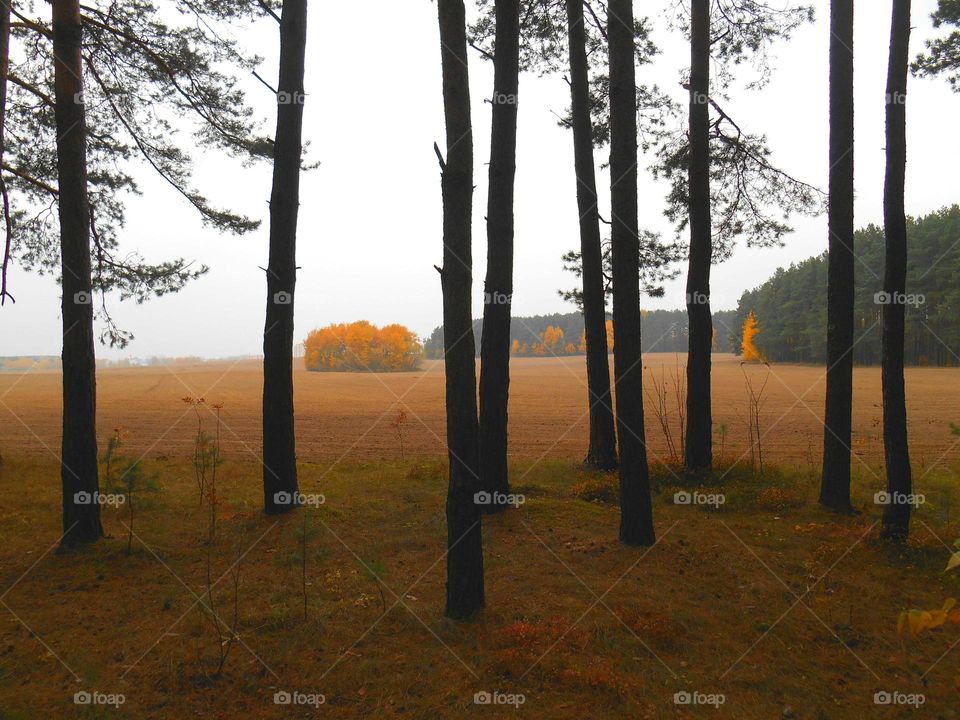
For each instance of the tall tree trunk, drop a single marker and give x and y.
(279, 444)
(498, 287)
(699, 440)
(4, 69)
(896, 514)
(78, 461)
(602, 453)
(636, 512)
(465, 594)
(835, 482)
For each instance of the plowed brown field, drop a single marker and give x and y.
(350, 415)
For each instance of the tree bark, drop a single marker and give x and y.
(78, 461)
(498, 286)
(699, 439)
(465, 592)
(602, 452)
(279, 444)
(636, 512)
(835, 482)
(896, 514)
(4, 69)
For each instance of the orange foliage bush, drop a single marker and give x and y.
(362, 346)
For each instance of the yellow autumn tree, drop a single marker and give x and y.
(553, 340)
(362, 346)
(748, 347)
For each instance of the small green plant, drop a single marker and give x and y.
(375, 571)
(601, 491)
(755, 400)
(206, 459)
(304, 533)
(125, 477)
(206, 447)
(227, 635)
(399, 420)
(722, 430)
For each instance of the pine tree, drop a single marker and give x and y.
(465, 592)
(837, 423)
(279, 442)
(636, 511)
(896, 514)
(498, 285)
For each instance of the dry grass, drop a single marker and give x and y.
(576, 622)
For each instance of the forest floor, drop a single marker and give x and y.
(764, 606)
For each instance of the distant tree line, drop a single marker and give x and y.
(791, 306)
(663, 331)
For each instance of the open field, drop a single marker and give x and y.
(347, 416)
(785, 611)
(766, 602)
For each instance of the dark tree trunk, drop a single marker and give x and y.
(699, 439)
(4, 64)
(835, 482)
(78, 461)
(602, 453)
(4, 69)
(498, 287)
(896, 514)
(636, 512)
(465, 594)
(279, 444)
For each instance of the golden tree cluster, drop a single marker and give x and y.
(362, 346)
(553, 342)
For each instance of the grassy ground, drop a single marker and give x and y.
(782, 609)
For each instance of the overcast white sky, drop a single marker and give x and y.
(370, 214)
